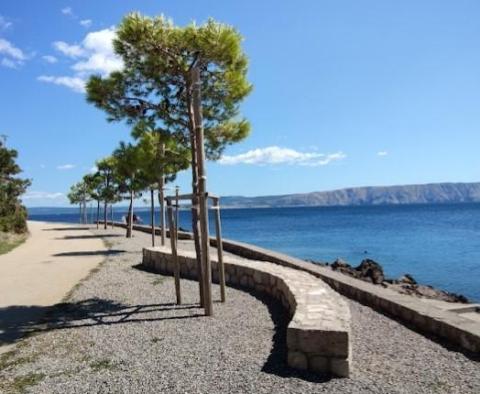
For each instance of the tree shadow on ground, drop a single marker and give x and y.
(66, 229)
(80, 253)
(19, 321)
(99, 236)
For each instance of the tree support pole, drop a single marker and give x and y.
(173, 244)
(161, 195)
(152, 215)
(221, 265)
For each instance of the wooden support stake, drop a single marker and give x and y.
(161, 195)
(177, 221)
(173, 244)
(218, 232)
(152, 215)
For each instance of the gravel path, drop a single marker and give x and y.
(120, 333)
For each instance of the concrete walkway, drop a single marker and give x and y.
(40, 272)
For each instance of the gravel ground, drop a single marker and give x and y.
(119, 332)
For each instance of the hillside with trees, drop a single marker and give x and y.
(13, 215)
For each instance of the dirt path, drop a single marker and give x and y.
(40, 272)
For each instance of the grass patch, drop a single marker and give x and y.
(101, 365)
(20, 384)
(10, 359)
(10, 241)
(158, 281)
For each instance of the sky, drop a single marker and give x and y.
(346, 93)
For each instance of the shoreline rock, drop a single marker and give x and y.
(371, 271)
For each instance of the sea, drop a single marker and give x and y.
(439, 245)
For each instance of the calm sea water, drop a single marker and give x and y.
(438, 244)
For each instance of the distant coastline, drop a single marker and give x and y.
(431, 193)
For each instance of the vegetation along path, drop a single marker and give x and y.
(119, 332)
(40, 273)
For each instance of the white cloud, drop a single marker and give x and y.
(65, 167)
(50, 59)
(34, 195)
(278, 155)
(75, 83)
(382, 153)
(6, 48)
(93, 169)
(73, 51)
(13, 56)
(86, 23)
(4, 23)
(94, 55)
(67, 11)
(100, 57)
(8, 63)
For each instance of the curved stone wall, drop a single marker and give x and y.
(318, 335)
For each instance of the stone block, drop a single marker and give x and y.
(297, 360)
(323, 342)
(340, 367)
(319, 364)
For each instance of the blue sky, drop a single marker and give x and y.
(346, 93)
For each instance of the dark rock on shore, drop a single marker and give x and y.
(371, 271)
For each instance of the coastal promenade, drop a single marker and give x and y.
(121, 331)
(39, 273)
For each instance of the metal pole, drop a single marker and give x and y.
(173, 244)
(218, 232)
(202, 191)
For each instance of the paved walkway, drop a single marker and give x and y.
(40, 272)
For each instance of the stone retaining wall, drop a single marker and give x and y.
(318, 335)
(423, 317)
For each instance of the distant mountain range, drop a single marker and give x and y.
(434, 193)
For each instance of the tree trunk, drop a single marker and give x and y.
(85, 213)
(98, 211)
(111, 215)
(202, 192)
(130, 217)
(152, 215)
(105, 210)
(195, 221)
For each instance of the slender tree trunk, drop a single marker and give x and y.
(195, 221)
(80, 212)
(85, 217)
(152, 215)
(111, 215)
(202, 192)
(105, 210)
(98, 211)
(130, 216)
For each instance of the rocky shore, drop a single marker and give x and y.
(371, 271)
